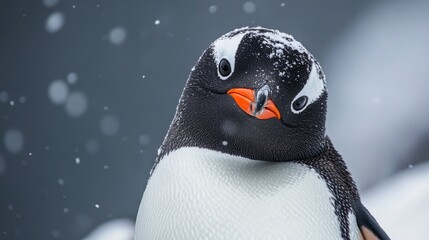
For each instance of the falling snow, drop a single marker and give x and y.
(213, 9)
(55, 22)
(4, 96)
(117, 35)
(76, 104)
(22, 99)
(144, 139)
(249, 7)
(14, 140)
(64, 106)
(92, 146)
(72, 78)
(56, 233)
(109, 125)
(61, 181)
(58, 92)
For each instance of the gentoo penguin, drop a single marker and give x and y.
(247, 156)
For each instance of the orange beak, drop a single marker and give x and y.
(246, 100)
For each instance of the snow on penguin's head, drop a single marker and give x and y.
(225, 48)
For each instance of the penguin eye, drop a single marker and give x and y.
(300, 103)
(224, 68)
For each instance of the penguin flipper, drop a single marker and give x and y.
(368, 226)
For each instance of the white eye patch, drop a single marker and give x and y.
(226, 48)
(313, 89)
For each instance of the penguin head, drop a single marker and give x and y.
(256, 93)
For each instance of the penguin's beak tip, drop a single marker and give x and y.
(255, 103)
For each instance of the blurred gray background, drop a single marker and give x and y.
(88, 90)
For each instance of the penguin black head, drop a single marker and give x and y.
(256, 93)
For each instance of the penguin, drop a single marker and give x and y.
(247, 156)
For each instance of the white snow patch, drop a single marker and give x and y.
(278, 40)
(119, 229)
(227, 45)
(400, 203)
(55, 22)
(379, 92)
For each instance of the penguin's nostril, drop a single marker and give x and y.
(261, 99)
(260, 102)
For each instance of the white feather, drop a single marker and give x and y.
(313, 89)
(198, 193)
(226, 47)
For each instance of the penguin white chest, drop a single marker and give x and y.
(198, 193)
